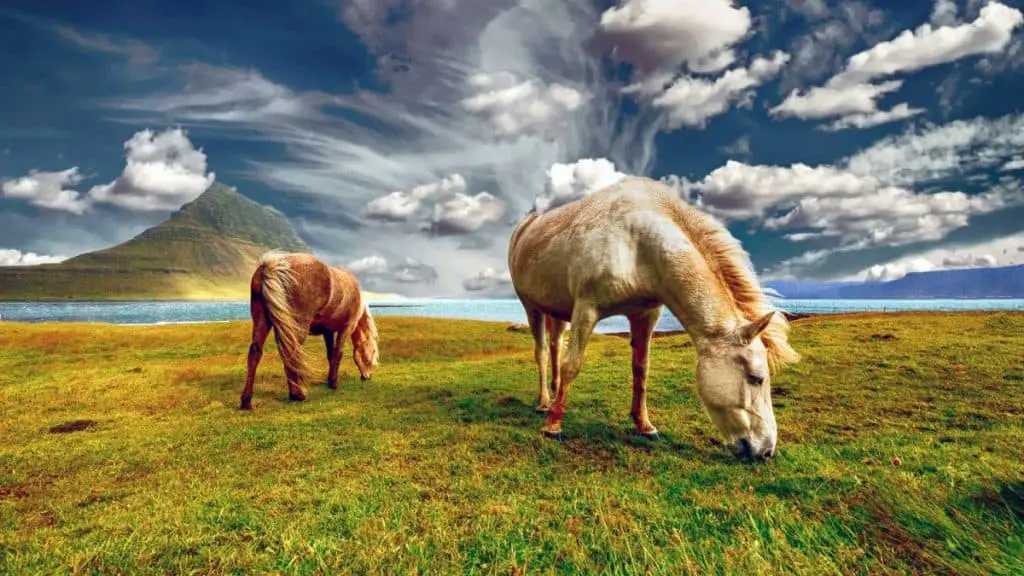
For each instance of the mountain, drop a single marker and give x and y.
(207, 250)
(1001, 282)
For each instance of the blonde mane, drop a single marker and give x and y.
(736, 281)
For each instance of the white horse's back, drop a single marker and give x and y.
(609, 247)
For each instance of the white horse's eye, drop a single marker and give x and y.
(755, 379)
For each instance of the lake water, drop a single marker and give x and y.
(472, 309)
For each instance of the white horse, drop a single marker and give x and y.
(629, 249)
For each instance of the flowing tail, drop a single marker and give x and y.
(276, 285)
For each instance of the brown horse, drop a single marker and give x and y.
(299, 295)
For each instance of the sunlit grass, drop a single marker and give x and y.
(900, 444)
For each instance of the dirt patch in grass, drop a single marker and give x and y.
(12, 492)
(886, 530)
(72, 426)
(1007, 500)
(884, 337)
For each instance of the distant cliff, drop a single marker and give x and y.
(1002, 282)
(208, 249)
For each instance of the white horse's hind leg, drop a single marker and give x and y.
(535, 318)
(641, 328)
(556, 328)
(584, 318)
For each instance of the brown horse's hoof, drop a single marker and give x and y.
(246, 404)
(543, 409)
(556, 436)
(332, 385)
(650, 435)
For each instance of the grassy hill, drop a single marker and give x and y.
(207, 250)
(899, 453)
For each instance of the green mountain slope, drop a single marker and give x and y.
(206, 250)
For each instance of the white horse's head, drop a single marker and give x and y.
(734, 384)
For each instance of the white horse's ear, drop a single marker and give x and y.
(753, 329)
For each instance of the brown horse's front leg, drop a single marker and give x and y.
(584, 319)
(335, 350)
(641, 328)
(260, 329)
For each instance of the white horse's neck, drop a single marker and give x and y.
(703, 309)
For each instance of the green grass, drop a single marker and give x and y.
(900, 443)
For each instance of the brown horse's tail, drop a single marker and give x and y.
(276, 285)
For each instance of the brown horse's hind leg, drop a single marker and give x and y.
(335, 350)
(641, 328)
(260, 329)
(584, 319)
(535, 318)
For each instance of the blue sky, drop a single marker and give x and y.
(404, 138)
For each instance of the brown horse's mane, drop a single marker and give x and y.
(735, 279)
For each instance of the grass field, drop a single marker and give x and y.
(123, 452)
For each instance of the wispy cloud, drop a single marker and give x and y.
(852, 96)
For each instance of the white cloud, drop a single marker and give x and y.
(394, 207)
(139, 54)
(851, 91)
(513, 108)
(900, 111)
(927, 46)
(12, 257)
(826, 101)
(812, 9)
(369, 265)
(854, 211)
(461, 214)
(376, 268)
(935, 153)
(568, 182)
(944, 13)
(1016, 163)
(821, 50)
(739, 191)
(488, 279)
(50, 190)
(163, 172)
(664, 34)
(441, 207)
(741, 147)
(691, 101)
(1000, 251)
(969, 261)
(897, 270)
(228, 95)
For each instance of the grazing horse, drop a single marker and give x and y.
(299, 295)
(629, 249)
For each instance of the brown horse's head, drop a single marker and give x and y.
(364, 344)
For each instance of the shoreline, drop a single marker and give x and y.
(790, 316)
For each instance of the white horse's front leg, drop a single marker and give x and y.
(556, 328)
(641, 328)
(535, 318)
(584, 319)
